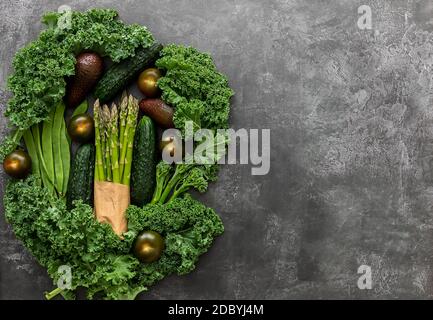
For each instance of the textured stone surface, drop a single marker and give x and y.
(350, 113)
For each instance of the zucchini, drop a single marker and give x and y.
(143, 162)
(81, 178)
(119, 75)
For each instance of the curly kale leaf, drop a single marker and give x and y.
(10, 143)
(201, 95)
(189, 229)
(57, 237)
(38, 82)
(189, 111)
(100, 261)
(191, 77)
(24, 201)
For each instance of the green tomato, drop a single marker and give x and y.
(148, 246)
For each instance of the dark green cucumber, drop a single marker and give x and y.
(119, 75)
(81, 177)
(143, 162)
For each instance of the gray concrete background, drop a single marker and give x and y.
(350, 113)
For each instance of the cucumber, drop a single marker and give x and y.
(143, 163)
(119, 75)
(81, 177)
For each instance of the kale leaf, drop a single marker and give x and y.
(191, 77)
(100, 261)
(38, 82)
(201, 95)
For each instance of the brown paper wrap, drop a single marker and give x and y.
(111, 201)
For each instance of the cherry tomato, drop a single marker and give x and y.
(81, 128)
(148, 246)
(147, 82)
(17, 164)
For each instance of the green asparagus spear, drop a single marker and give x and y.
(126, 133)
(122, 132)
(130, 126)
(114, 143)
(106, 116)
(99, 166)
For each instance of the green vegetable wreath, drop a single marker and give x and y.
(56, 201)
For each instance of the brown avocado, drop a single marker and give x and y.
(159, 111)
(88, 69)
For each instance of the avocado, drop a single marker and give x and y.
(88, 70)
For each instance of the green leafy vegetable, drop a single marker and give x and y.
(192, 79)
(189, 228)
(185, 176)
(193, 112)
(163, 174)
(38, 83)
(200, 95)
(82, 108)
(10, 143)
(100, 261)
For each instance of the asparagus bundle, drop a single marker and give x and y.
(114, 138)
